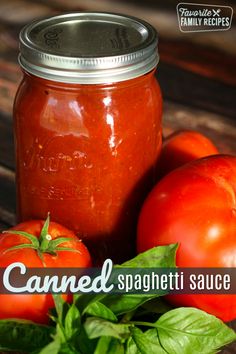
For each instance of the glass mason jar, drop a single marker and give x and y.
(87, 119)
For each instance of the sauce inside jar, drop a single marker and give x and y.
(87, 140)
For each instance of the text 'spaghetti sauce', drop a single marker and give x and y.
(88, 126)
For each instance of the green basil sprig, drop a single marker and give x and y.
(120, 324)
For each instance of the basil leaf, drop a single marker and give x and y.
(161, 256)
(152, 335)
(72, 323)
(145, 343)
(86, 345)
(63, 311)
(97, 327)
(61, 307)
(157, 306)
(103, 345)
(120, 304)
(116, 347)
(60, 333)
(52, 348)
(67, 326)
(83, 300)
(98, 309)
(131, 347)
(23, 336)
(192, 331)
(67, 349)
(59, 345)
(109, 345)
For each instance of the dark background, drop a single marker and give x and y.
(197, 74)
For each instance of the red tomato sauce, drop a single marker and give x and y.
(87, 154)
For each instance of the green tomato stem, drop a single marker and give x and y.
(45, 242)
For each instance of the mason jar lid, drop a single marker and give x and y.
(88, 48)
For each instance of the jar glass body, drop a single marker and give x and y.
(87, 154)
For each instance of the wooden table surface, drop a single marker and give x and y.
(197, 74)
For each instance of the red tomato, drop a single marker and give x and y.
(35, 307)
(195, 206)
(182, 147)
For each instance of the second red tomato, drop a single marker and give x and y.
(182, 147)
(195, 206)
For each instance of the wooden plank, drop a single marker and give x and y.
(3, 226)
(172, 3)
(219, 129)
(7, 217)
(188, 88)
(201, 59)
(7, 94)
(8, 198)
(6, 142)
(10, 71)
(22, 11)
